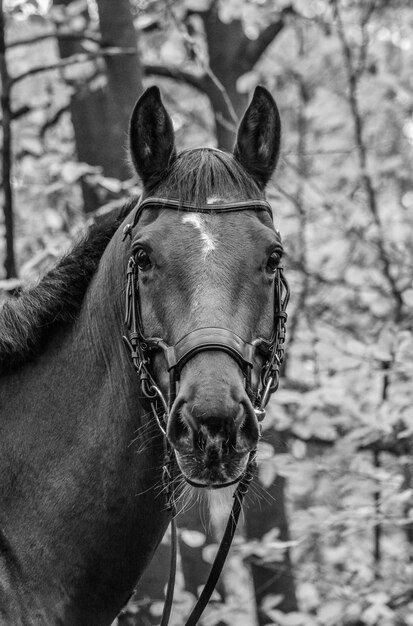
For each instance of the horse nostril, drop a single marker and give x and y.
(229, 445)
(178, 431)
(200, 440)
(231, 428)
(249, 425)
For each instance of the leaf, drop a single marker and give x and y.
(110, 184)
(289, 619)
(375, 613)
(32, 145)
(9, 284)
(299, 449)
(308, 596)
(72, 171)
(270, 601)
(192, 538)
(330, 613)
(209, 552)
(197, 5)
(247, 82)
(267, 472)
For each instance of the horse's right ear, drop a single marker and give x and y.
(151, 137)
(259, 137)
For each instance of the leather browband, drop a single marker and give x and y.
(178, 205)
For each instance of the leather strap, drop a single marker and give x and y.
(229, 207)
(210, 338)
(225, 544)
(171, 580)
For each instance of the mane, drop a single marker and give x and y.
(200, 173)
(26, 318)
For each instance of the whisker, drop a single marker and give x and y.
(142, 431)
(145, 444)
(256, 494)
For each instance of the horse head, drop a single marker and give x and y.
(206, 278)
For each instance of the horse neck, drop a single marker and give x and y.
(76, 495)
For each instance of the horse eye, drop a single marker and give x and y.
(273, 261)
(143, 260)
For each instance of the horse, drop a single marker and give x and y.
(82, 441)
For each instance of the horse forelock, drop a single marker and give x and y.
(201, 175)
(56, 299)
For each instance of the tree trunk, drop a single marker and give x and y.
(225, 42)
(101, 117)
(124, 72)
(271, 578)
(9, 264)
(231, 54)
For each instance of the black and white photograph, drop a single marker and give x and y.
(206, 313)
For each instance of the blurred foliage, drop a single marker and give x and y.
(344, 203)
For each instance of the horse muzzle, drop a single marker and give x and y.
(212, 436)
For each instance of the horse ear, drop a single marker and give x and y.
(259, 137)
(151, 137)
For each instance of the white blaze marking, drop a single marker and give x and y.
(220, 503)
(198, 222)
(215, 200)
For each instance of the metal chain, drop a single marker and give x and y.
(271, 375)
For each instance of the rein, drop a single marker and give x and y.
(177, 356)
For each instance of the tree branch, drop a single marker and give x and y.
(192, 45)
(256, 47)
(73, 60)
(64, 36)
(54, 119)
(198, 82)
(23, 110)
(378, 529)
(353, 77)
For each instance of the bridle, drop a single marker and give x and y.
(177, 356)
(209, 338)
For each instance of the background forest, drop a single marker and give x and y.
(328, 531)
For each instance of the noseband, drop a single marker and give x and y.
(177, 356)
(208, 338)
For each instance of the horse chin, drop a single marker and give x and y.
(214, 488)
(220, 502)
(219, 478)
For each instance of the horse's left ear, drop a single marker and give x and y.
(259, 137)
(151, 137)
